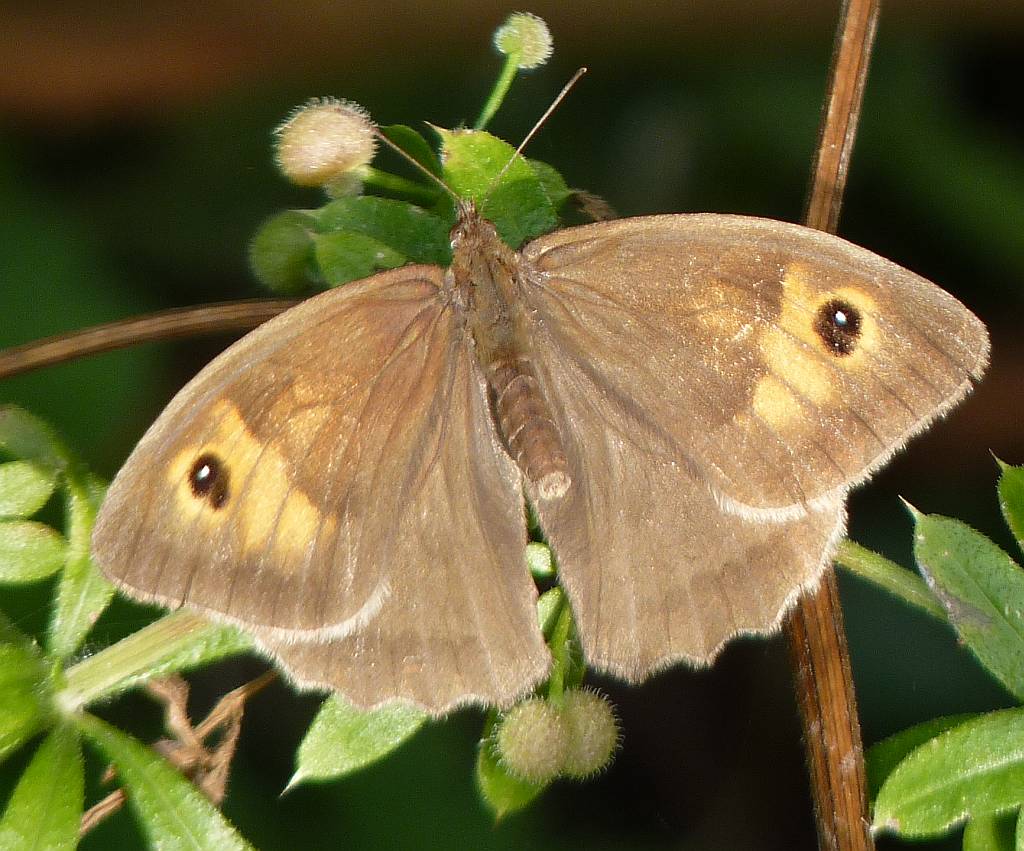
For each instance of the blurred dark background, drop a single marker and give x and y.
(135, 163)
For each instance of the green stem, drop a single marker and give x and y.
(176, 641)
(501, 87)
(559, 644)
(888, 575)
(401, 187)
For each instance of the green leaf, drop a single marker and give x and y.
(46, 807)
(982, 590)
(1019, 846)
(281, 253)
(1011, 499)
(28, 438)
(404, 228)
(518, 205)
(24, 488)
(172, 812)
(502, 793)
(414, 145)
(974, 770)
(83, 593)
(344, 256)
(885, 755)
(889, 576)
(990, 833)
(344, 739)
(29, 551)
(25, 695)
(554, 185)
(177, 642)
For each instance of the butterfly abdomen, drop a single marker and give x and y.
(525, 423)
(485, 273)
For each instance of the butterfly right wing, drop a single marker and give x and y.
(709, 436)
(707, 334)
(334, 476)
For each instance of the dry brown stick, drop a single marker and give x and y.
(817, 639)
(187, 751)
(166, 325)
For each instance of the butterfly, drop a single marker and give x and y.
(684, 400)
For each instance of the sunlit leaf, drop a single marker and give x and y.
(552, 181)
(343, 739)
(982, 590)
(1011, 499)
(178, 641)
(343, 256)
(24, 488)
(45, 808)
(29, 551)
(882, 757)
(28, 438)
(518, 204)
(405, 229)
(972, 771)
(83, 593)
(24, 689)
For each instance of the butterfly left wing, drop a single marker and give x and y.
(459, 625)
(333, 483)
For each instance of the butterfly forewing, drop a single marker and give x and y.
(719, 338)
(335, 473)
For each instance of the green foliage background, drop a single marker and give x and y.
(127, 212)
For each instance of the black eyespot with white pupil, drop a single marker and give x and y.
(208, 479)
(838, 324)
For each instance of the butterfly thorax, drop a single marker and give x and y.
(485, 278)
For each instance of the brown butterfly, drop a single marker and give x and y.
(684, 399)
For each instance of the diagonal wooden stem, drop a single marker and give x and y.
(817, 639)
(166, 325)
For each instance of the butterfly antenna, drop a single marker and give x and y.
(415, 163)
(540, 123)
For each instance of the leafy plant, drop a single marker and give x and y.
(935, 776)
(926, 780)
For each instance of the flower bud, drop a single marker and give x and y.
(531, 741)
(526, 37)
(592, 732)
(324, 140)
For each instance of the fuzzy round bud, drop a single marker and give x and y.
(526, 37)
(531, 741)
(323, 140)
(592, 731)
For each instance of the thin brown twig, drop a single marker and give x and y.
(207, 768)
(166, 325)
(817, 639)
